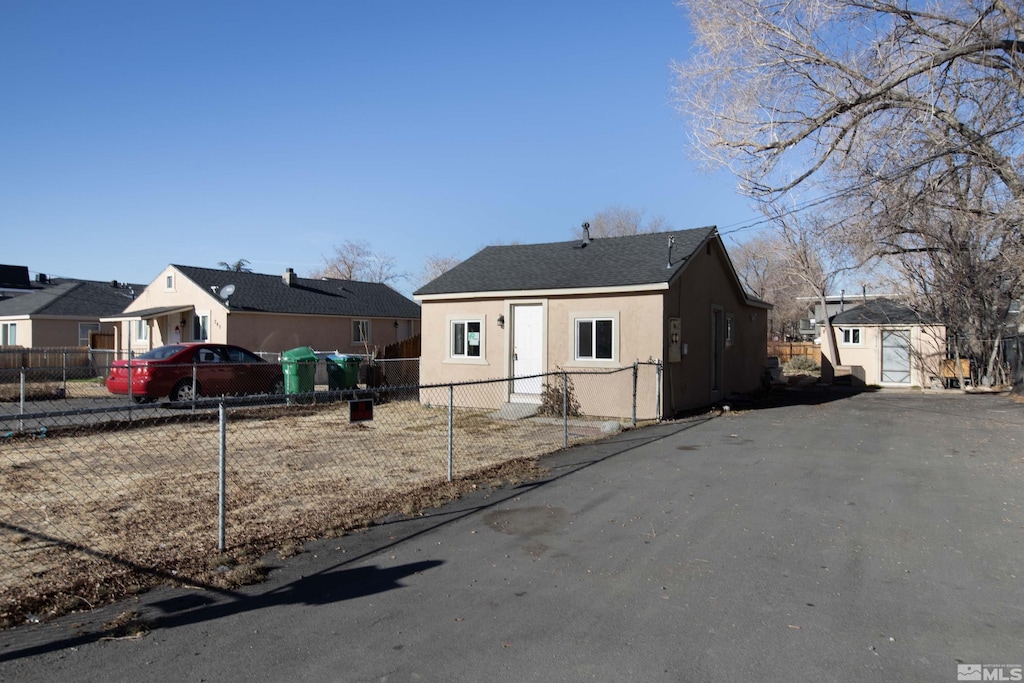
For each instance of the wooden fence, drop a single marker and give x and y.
(16, 357)
(407, 348)
(786, 351)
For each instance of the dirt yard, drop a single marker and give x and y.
(91, 515)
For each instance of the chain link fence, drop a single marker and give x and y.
(104, 496)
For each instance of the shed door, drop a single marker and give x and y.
(895, 357)
(527, 349)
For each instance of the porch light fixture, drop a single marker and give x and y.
(501, 321)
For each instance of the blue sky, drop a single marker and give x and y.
(137, 134)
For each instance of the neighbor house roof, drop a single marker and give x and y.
(633, 260)
(881, 312)
(69, 298)
(257, 292)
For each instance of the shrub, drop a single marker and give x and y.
(801, 365)
(552, 395)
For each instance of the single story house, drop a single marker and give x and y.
(262, 312)
(811, 327)
(57, 312)
(525, 309)
(886, 343)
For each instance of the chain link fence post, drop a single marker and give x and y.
(222, 475)
(451, 401)
(21, 404)
(657, 391)
(195, 383)
(636, 372)
(565, 409)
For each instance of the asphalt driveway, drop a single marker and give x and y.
(875, 537)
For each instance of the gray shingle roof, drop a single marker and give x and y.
(269, 294)
(602, 262)
(70, 298)
(881, 312)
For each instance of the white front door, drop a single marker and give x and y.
(527, 349)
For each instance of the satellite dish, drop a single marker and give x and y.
(226, 291)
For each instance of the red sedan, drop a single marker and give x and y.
(213, 369)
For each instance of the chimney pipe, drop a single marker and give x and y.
(289, 277)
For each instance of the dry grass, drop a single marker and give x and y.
(94, 516)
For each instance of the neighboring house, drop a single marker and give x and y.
(524, 309)
(886, 343)
(264, 312)
(58, 312)
(812, 326)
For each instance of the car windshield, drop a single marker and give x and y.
(161, 352)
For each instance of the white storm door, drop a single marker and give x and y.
(527, 348)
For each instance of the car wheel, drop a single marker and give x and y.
(182, 391)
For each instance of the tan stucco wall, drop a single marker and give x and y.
(602, 396)
(927, 349)
(273, 332)
(49, 332)
(707, 283)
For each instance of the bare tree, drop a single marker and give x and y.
(436, 265)
(356, 260)
(763, 266)
(904, 116)
(781, 91)
(815, 255)
(239, 266)
(619, 221)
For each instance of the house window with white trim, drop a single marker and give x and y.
(8, 334)
(466, 339)
(360, 331)
(595, 338)
(140, 331)
(852, 336)
(169, 283)
(201, 326)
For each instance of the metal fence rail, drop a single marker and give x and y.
(113, 496)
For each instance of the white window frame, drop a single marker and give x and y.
(140, 331)
(466, 356)
(83, 332)
(169, 282)
(8, 334)
(848, 335)
(593, 319)
(357, 331)
(197, 325)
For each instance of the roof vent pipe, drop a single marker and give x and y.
(586, 232)
(671, 241)
(289, 277)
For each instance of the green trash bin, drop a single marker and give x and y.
(299, 367)
(343, 371)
